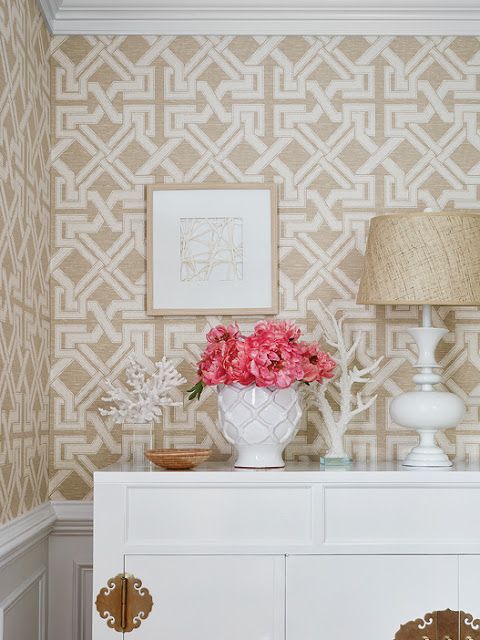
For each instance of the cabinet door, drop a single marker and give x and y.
(365, 597)
(212, 597)
(469, 585)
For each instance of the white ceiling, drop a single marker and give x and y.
(262, 17)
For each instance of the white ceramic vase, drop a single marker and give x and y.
(259, 422)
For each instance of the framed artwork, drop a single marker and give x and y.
(212, 249)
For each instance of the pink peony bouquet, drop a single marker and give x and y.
(273, 356)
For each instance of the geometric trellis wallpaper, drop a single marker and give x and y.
(346, 127)
(24, 257)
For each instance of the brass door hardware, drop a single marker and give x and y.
(124, 603)
(441, 625)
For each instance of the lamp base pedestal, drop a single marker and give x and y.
(427, 412)
(427, 453)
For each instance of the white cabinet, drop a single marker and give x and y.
(294, 554)
(212, 597)
(469, 584)
(365, 597)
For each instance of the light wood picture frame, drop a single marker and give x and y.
(212, 249)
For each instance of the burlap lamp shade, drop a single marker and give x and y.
(424, 258)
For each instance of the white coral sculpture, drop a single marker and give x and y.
(350, 404)
(143, 402)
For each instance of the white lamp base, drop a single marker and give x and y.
(427, 411)
(427, 455)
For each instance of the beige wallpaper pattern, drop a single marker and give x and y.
(346, 127)
(24, 257)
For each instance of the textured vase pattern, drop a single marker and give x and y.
(259, 422)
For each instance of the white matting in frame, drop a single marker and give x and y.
(212, 249)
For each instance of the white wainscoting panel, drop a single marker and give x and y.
(82, 600)
(47, 551)
(70, 572)
(23, 575)
(23, 611)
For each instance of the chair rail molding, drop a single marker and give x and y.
(23, 532)
(69, 518)
(73, 518)
(268, 17)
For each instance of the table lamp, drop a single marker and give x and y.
(424, 259)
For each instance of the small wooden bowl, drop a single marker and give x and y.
(177, 458)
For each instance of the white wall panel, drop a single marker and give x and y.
(70, 572)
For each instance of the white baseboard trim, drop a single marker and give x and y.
(23, 532)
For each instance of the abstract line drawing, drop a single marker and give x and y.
(211, 249)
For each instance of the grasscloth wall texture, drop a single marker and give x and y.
(346, 127)
(24, 257)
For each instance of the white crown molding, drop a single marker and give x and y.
(50, 9)
(23, 532)
(267, 17)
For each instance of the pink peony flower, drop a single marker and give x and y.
(272, 356)
(282, 329)
(237, 363)
(211, 369)
(275, 358)
(224, 359)
(317, 364)
(221, 333)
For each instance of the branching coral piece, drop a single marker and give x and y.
(143, 402)
(351, 404)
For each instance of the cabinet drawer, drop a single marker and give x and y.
(211, 515)
(393, 514)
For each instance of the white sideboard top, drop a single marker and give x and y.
(213, 472)
(301, 509)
